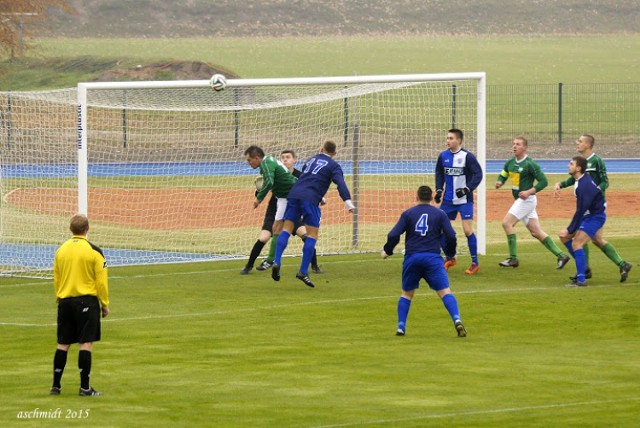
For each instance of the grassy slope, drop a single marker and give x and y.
(558, 41)
(506, 59)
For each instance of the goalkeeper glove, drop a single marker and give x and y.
(462, 192)
(438, 198)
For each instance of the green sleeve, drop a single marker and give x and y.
(268, 171)
(504, 175)
(540, 177)
(568, 182)
(601, 175)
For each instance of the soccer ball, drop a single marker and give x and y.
(218, 82)
(259, 181)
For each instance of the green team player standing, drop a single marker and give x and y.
(598, 171)
(527, 179)
(276, 178)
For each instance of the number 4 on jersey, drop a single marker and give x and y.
(422, 225)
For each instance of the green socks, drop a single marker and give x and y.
(551, 246)
(272, 248)
(513, 247)
(613, 255)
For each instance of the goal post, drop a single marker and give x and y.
(159, 166)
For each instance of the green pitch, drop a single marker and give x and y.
(201, 345)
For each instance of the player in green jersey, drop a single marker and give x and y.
(288, 158)
(598, 171)
(276, 178)
(527, 179)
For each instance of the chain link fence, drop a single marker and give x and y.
(553, 116)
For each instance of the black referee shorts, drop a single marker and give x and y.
(78, 320)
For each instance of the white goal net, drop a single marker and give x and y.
(159, 166)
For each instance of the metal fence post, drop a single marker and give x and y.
(453, 105)
(560, 113)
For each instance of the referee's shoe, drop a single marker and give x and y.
(89, 392)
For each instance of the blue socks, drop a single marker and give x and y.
(472, 241)
(569, 245)
(404, 305)
(450, 302)
(308, 249)
(581, 264)
(281, 244)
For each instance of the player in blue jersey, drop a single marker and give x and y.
(424, 227)
(304, 200)
(458, 174)
(588, 220)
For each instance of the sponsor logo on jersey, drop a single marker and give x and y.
(454, 171)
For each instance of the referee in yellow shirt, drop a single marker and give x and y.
(81, 285)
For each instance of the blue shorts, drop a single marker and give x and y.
(592, 223)
(310, 212)
(427, 266)
(465, 210)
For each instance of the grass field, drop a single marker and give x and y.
(200, 345)
(506, 59)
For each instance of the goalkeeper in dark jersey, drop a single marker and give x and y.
(527, 179)
(276, 178)
(598, 171)
(288, 158)
(304, 199)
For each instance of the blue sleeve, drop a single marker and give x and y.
(450, 237)
(393, 238)
(439, 174)
(338, 178)
(476, 172)
(585, 195)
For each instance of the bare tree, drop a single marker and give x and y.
(21, 18)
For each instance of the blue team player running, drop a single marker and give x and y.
(304, 200)
(424, 225)
(458, 174)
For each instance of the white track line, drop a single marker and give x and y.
(479, 412)
(425, 294)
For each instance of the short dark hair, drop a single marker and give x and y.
(289, 151)
(590, 140)
(79, 224)
(254, 152)
(580, 161)
(329, 147)
(425, 194)
(458, 133)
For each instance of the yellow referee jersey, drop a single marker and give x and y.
(80, 269)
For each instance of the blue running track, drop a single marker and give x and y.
(29, 256)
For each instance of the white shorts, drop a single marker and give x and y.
(524, 209)
(282, 207)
